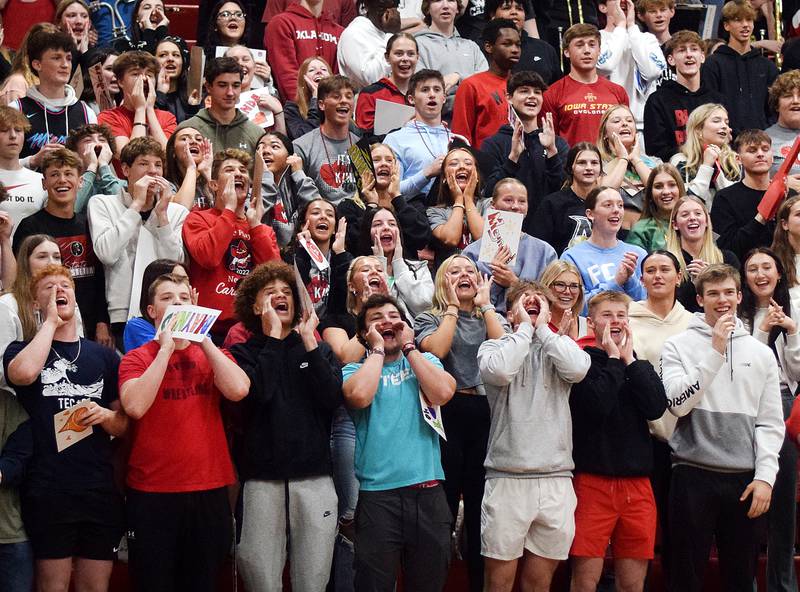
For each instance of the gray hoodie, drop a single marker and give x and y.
(282, 200)
(528, 375)
(729, 406)
(240, 133)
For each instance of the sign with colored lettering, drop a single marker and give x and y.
(500, 229)
(248, 104)
(68, 426)
(187, 321)
(320, 261)
(432, 414)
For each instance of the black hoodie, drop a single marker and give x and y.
(744, 81)
(665, 115)
(610, 410)
(288, 413)
(560, 220)
(540, 175)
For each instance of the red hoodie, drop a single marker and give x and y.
(223, 249)
(295, 35)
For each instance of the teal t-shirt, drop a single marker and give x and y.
(394, 446)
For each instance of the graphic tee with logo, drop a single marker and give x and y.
(326, 162)
(25, 193)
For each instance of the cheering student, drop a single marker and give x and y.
(179, 516)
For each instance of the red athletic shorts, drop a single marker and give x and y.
(619, 509)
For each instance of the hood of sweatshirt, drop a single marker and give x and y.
(69, 98)
(299, 13)
(698, 324)
(238, 119)
(727, 51)
(438, 37)
(675, 88)
(637, 310)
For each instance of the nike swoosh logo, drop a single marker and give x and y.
(11, 187)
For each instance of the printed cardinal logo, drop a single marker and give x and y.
(279, 213)
(335, 174)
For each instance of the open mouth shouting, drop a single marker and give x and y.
(63, 189)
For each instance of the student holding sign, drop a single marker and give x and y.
(402, 516)
(520, 256)
(529, 501)
(226, 242)
(285, 465)
(179, 517)
(73, 512)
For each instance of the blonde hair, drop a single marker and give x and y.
(709, 252)
(505, 182)
(555, 269)
(353, 301)
(604, 143)
(439, 305)
(693, 147)
(303, 96)
(608, 296)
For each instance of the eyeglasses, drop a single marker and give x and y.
(226, 14)
(563, 287)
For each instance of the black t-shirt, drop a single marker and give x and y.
(77, 253)
(74, 371)
(561, 220)
(344, 321)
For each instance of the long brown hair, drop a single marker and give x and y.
(649, 205)
(21, 288)
(781, 245)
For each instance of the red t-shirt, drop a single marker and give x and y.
(120, 121)
(20, 15)
(480, 107)
(577, 107)
(179, 444)
(222, 250)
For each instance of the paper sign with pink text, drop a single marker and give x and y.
(500, 228)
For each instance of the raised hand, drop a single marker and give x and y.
(695, 267)
(394, 183)
(484, 286)
(338, 245)
(547, 137)
(502, 274)
(295, 162)
(521, 315)
(51, 316)
(451, 296)
(377, 248)
(270, 323)
(626, 348)
(165, 341)
(95, 415)
(434, 168)
(255, 211)
(207, 153)
(6, 225)
(368, 191)
(229, 199)
(138, 98)
(106, 154)
(711, 154)
(398, 244)
(608, 344)
(722, 331)
(626, 268)
(374, 338)
(307, 326)
(618, 147)
(565, 326)
(403, 333)
(544, 310)
(517, 142)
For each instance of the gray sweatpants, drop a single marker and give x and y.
(311, 528)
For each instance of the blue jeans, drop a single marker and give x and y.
(16, 567)
(343, 449)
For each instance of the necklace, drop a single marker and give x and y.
(60, 357)
(424, 143)
(349, 184)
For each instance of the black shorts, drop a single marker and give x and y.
(87, 524)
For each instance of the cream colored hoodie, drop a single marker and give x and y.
(649, 334)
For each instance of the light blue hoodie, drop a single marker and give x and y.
(416, 146)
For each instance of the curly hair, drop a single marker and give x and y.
(248, 289)
(78, 134)
(783, 87)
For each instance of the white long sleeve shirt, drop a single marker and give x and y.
(361, 53)
(633, 60)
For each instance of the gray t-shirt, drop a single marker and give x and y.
(782, 140)
(462, 359)
(327, 163)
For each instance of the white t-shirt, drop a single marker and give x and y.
(26, 196)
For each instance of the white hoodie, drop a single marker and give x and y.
(729, 406)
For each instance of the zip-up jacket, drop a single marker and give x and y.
(744, 81)
(610, 410)
(385, 90)
(294, 35)
(527, 375)
(731, 416)
(288, 413)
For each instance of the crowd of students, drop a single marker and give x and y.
(375, 396)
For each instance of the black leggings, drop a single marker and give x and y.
(466, 422)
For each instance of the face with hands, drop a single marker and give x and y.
(190, 138)
(230, 23)
(152, 11)
(608, 213)
(715, 129)
(719, 298)
(789, 109)
(660, 277)
(274, 153)
(236, 170)
(317, 70)
(621, 122)
(402, 58)
(277, 294)
(75, 20)
(166, 294)
(387, 321)
(96, 140)
(383, 161)
(169, 58)
(61, 184)
(320, 221)
(761, 275)
(64, 290)
(132, 76)
(613, 315)
(44, 254)
(690, 221)
(527, 102)
(367, 278)
(463, 277)
(531, 301)
(511, 197)
(384, 230)
(459, 165)
(144, 164)
(566, 290)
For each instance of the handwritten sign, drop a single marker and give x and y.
(187, 321)
(248, 104)
(320, 261)
(102, 94)
(432, 414)
(305, 299)
(500, 229)
(68, 427)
